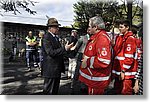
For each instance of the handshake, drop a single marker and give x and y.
(68, 46)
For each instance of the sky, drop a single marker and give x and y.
(62, 10)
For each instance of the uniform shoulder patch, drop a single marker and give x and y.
(104, 52)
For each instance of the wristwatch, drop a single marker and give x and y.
(122, 71)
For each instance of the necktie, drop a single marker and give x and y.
(56, 38)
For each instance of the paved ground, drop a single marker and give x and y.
(17, 80)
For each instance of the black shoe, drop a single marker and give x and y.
(29, 68)
(35, 66)
(71, 85)
(69, 77)
(84, 91)
(72, 91)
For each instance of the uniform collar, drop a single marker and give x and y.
(94, 36)
(129, 33)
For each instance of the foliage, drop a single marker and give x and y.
(86, 9)
(135, 12)
(138, 17)
(14, 5)
(109, 11)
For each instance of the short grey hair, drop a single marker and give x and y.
(74, 30)
(97, 21)
(42, 31)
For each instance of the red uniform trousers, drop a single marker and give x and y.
(124, 87)
(95, 91)
(98, 91)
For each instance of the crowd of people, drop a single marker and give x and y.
(95, 59)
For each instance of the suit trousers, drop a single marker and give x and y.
(51, 86)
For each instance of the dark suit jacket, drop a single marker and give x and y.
(53, 63)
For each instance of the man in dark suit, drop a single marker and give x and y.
(53, 63)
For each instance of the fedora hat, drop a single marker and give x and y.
(52, 22)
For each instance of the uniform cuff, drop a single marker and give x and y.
(90, 62)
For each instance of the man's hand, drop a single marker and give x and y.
(84, 61)
(113, 42)
(68, 46)
(72, 48)
(85, 57)
(136, 86)
(122, 75)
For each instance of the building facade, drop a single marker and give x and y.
(18, 31)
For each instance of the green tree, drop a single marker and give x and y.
(108, 10)
(86, 9)
(130, 10)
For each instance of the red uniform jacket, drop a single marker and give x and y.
(98, 70)
(139, 47)
(125, 56)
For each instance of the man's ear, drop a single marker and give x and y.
(127, 27)
(96, 27)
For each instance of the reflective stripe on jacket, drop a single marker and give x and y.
(28, 47)
(97, 72)
(125, 56)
